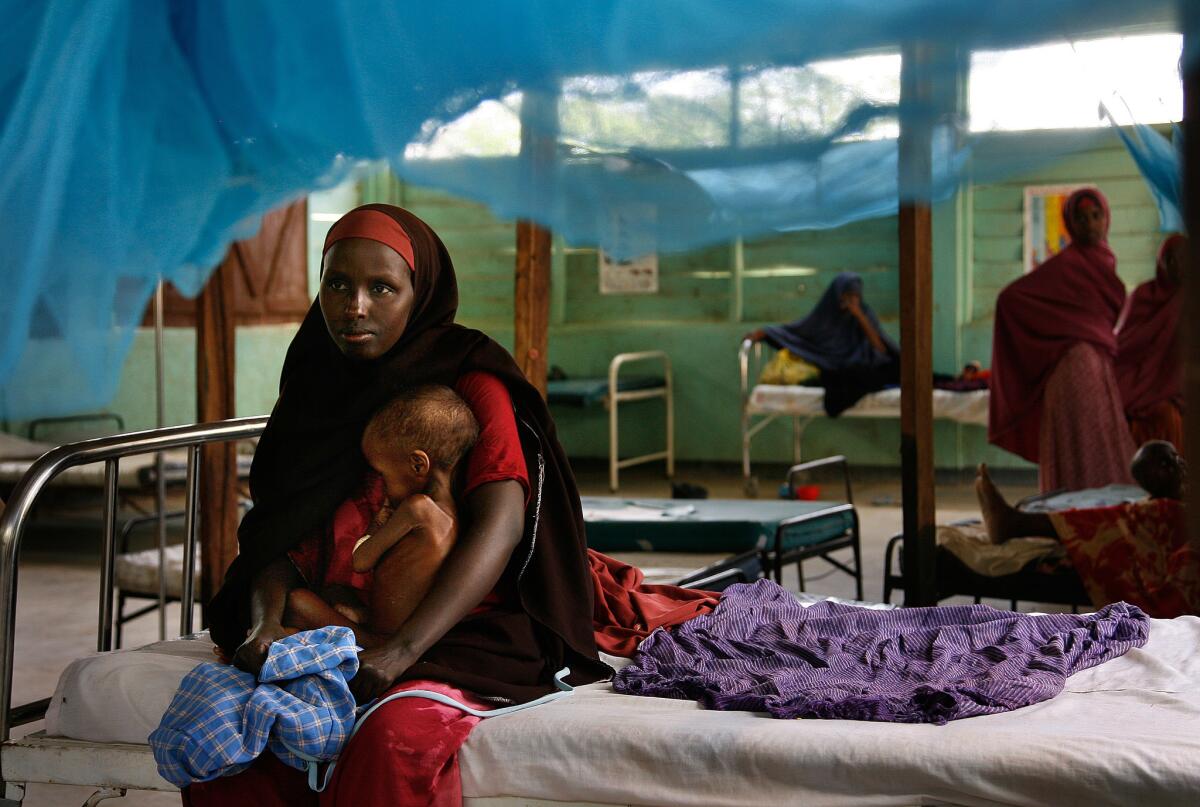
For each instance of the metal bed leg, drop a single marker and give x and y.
(670, 422)
(104, 632)
(613, 441)
(858, 576)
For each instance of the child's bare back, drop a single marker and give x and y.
(415, 443)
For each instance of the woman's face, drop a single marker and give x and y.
(1089, 223)
(366, 297)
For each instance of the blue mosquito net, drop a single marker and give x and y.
(140, 138)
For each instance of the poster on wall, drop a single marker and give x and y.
(630, 231)
(1045, 233)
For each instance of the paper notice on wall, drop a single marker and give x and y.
(630, 233)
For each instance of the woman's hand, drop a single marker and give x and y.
(252, 653)
(378, 669)
(757, 335)
(851, 302)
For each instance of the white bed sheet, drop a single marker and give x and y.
(1127, 732)
(962, 407)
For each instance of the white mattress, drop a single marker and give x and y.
(962, 407)
(92, 474)
(1127, 732)
(137, 572)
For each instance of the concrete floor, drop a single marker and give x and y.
(59, 588)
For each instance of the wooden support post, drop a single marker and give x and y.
(916, 329)
(532, 315)
(215, 401)
(531, 323)
(1191, 211)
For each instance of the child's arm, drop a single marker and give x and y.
(269, 594)
(414, 513)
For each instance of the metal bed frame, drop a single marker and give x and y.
(37, 758)
(749, 368)
(616, 397)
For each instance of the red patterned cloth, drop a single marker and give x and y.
(1084, 440)
(1137, 552)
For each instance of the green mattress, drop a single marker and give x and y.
(583, 392)
(618, 524)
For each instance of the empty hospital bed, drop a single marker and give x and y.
(1127, 732)
(615, 389)
(762, 404)
(781, 532)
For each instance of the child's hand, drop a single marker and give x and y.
(252, 653)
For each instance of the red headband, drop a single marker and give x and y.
(376, 226)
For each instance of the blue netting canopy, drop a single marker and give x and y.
(141, 138)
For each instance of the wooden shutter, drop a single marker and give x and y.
(270, 274)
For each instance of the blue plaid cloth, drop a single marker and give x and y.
(301, 708)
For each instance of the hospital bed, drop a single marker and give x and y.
(615, 389)
(762, 404)
(782, 532)
(1059, 586)
(1127, 732)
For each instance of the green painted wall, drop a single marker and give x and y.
(977, 249)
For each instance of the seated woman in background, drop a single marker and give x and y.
(1054, 394)
(842, 338)
(1138, 552)
(1149, 370)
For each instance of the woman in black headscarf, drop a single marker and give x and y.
(385, 319)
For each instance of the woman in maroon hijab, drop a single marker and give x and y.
(1149, 371)
(1054, 394)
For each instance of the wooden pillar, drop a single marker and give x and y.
(916, 329)
(532, 303)
(1191, 211)
(531, 315)
(215, 401)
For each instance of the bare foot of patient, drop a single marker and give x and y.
(997, 515)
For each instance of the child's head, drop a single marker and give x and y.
(422, 430)
(1159, 469)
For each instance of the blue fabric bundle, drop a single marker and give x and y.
(300, 708)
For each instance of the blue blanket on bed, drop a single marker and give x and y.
(300, 707)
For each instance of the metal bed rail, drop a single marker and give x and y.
(616, 397)
(110, 451)
(750, 356)
(849, 539)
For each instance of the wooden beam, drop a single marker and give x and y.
(531, 314)
(1190, 333)
(916, 329)
(215, 401)
(532, 303)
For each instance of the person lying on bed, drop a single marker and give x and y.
(1138, 552)
(372, 583)
(842, 337)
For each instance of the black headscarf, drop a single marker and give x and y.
(308, 461)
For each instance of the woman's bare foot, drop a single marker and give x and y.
(997, 514)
